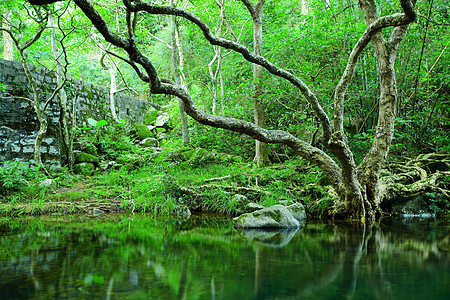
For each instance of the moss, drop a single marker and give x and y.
(143, 131)
(84, 168)
(84, 157)
(275, 215)
(150, 116)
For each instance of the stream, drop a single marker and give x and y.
(123, 256)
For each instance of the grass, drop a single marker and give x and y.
(157, 184)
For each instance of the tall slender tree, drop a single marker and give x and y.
(256, 11)
(177, 65)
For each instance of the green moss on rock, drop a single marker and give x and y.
(144, 131)
(86, 157)
(84, 168)
(150, 116)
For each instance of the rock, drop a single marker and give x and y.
(238, 201)
(144, 131)
(150, 116)
(242, 205)
(276, 216)
(55, 169)
(271, 237)
(107, 165)
(411, 207)
(97, 211)
(90, 149)
(251, 207)
(162, 120)
(83, 157)
(149, 142)
(129, 159)
(84, 168)
(162, 136)
(297, 211)
(48, 183)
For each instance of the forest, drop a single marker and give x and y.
(339, 105)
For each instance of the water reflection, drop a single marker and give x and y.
(141, 257)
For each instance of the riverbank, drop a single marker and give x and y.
(172, 181)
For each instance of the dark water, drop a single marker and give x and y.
(143, 257)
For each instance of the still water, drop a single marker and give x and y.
(144, 257)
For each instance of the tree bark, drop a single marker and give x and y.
(177, 63)
(7, 41)
(261, 156)
(64, 116)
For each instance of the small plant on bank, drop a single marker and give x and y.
(18, 175)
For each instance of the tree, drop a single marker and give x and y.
(177, 65)
(67, 124)
(261, 156)
(7, 41)
(358, 187)
(40, 106)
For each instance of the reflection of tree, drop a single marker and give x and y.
(120, 259)
(350, 258)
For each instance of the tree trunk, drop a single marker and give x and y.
(386, 52)
(7, 40)
(261, 156)
(64, 116)
(112, 91)
(177, 52)
(40, 112)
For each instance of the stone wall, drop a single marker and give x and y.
(18, 121)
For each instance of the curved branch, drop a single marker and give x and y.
(305, 150)
(398, 20)
(244, 51)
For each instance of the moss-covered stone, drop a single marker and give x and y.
(84, 168)
(150, 116)
(86, 157)
(297, 211)
(276, 216)
(144, 131)
(149, 142)
(129, 159)
(90, 148)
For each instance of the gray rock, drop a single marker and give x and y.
(162, 135)
(84, 168)
(251, 207)
(297, 211)
(411, 207)
(48, 183)
(162, 120)
(276, 216)
(149, 142)
(97, 211)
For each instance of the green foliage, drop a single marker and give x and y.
(17, 175)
